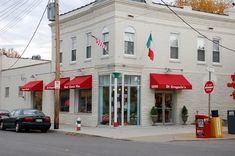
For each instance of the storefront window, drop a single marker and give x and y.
(132, 100)
(64, 101)
(85, 104)
(128, 101)
(104, 82)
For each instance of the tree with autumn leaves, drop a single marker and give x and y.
(211, 6)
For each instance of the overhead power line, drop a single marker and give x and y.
(194, 29)
(13, 7)
(20, 16)
(35, 31)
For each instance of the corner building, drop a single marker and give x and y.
(121, 84)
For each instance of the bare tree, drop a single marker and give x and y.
(9, 53)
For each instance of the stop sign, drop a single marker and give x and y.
(209, 87)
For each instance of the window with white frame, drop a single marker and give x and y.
(61, 51)
(200, 49)
(106, 41)
(7, 91)
(129, 41)
(216, 51)
(88, 46)
(85, 101)
(174, 43)
(73, 49)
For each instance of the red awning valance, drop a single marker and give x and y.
(33, 86)
(83, 82)
(169, 81)
(51, 85)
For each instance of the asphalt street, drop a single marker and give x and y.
(60, 144)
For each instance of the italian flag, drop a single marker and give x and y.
(148, 44)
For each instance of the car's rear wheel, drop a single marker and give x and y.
(17, 127)
(2, 126)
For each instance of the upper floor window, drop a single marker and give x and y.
(129, 41)
(7, 91)
(200, 49)
(216, 51)
(174, 41)
(88, 45)
(73, 49)
(61, 51)
(106, 41)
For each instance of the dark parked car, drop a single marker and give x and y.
(26, 119)
(3, 114)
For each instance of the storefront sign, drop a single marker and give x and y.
(209, 87)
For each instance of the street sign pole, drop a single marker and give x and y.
(209, 97)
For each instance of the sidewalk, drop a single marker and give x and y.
(142, 133)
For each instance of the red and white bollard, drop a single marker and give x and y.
(78, 123)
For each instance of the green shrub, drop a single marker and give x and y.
(153, 111)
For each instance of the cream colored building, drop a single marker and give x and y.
(175, 77)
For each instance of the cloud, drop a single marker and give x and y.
(19, 35)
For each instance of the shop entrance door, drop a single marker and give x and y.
(128, 111)
(164, 104)
(37, 100)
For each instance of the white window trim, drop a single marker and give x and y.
(130, 56)
(72, 62)
(130, 29)
(201, 62)
(71, 49)
(105, 31)
(219, 64)
(104, 57)
(87, 45)
(88, 60)
(173, 59)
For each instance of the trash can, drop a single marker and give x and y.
(231, 121)
(202, 126)
(216, 125)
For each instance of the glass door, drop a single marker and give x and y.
(164, 104)
(159, 105)
(168, 108)
(37, 100)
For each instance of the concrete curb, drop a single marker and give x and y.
(155, 138)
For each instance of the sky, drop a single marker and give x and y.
(19, 19)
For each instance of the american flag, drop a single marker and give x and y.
(100, 43)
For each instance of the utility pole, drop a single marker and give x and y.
(57, 67)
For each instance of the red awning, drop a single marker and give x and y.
(169, 81)
(51, 85)
(33, 86)
(83, 82)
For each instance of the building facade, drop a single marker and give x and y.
(120, 84)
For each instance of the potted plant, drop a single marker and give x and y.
(184, 114)
(153, 114)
